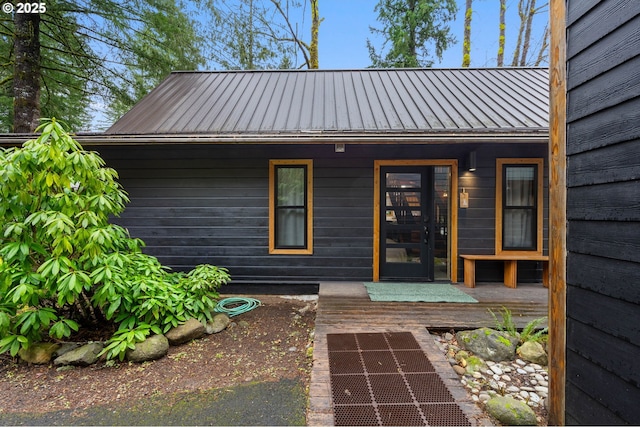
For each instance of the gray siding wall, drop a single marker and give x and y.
(603, 212)
(196, 204)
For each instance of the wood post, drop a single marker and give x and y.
(557, 212)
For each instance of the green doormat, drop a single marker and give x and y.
(416, 292)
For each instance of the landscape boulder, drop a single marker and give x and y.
(39, 353)
(511, 412)
(218, 323)
(154, 347)
(82, 356)
(533, 352)
(190, 330)
(488, 344)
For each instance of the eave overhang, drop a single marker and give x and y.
(510, 136)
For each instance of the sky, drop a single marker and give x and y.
(343, 33)
(345, 29)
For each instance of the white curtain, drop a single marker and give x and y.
(290, 227)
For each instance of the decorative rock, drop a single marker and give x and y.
(496, 369)
(533, 352)
(65, 348)
(510, 411)
(218, 324)
(488, 344)
(190, 330)
(475, 365)
(459, 369)
(484, 397)
(154, 347)
(461, 355)
(81, 356)
(39, 353)
(542, 390)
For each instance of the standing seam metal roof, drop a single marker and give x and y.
(390, 101)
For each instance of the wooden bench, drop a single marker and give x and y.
(510, 267)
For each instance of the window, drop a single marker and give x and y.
(519, 206)
(290, 207)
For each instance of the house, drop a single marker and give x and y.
(302, 176)
(598, 381)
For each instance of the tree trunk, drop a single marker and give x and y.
(501, 38)
(315, 26)
(26, 75)
(466, 44)
(527, 32)
(523, 20)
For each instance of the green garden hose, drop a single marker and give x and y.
(234, 306)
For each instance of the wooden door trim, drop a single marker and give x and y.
(453, 215)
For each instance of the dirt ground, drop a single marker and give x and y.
(270, 343)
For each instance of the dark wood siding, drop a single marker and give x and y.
(196, 204)
(603, 212)
(477, 224)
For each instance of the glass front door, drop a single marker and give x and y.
(414, 223)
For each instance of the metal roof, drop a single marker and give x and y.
(264, 105)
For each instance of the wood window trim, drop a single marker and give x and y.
(273, 164)
(500, 163)
(453, 227)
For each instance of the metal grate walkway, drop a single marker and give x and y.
(386, 379)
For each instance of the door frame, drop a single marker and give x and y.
(453, 214)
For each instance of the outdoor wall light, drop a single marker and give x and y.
(340, 148)
(471, 161)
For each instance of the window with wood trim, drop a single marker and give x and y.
(519, 204)
(291, 206)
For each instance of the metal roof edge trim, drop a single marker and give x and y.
(333, 70)
(541, 137)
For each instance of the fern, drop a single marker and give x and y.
(506, 324)
(529, 332)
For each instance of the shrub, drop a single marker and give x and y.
(63, 264)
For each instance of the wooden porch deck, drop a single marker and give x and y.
(345, 307)
(347, 303)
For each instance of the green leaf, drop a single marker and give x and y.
(113, 307)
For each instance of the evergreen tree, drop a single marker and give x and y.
(416, 30)
(107, 49)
